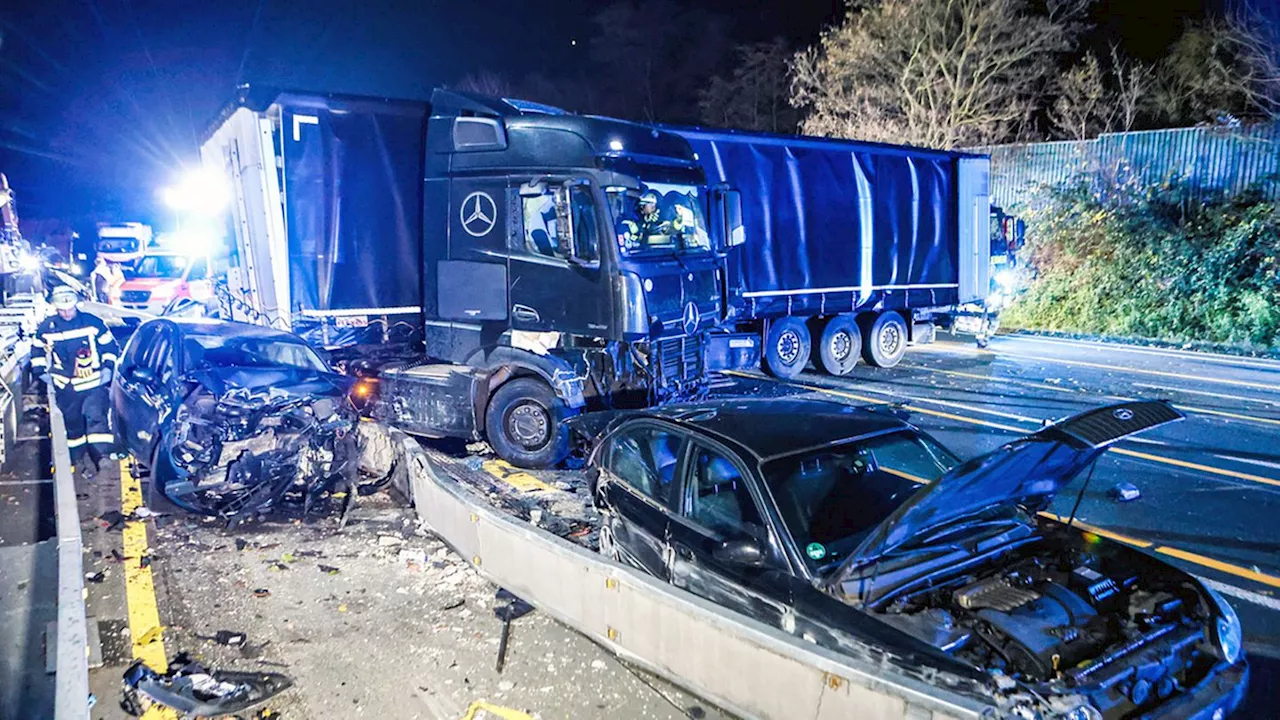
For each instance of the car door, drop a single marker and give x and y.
(638, 488)
(721, 508)
(129, 394)
(154, 390)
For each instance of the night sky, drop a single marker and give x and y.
(103, 101)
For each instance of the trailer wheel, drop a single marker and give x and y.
(838, 345)
(525, 424)
(786, 349)
(886, 341)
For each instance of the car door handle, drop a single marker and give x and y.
(526, 313)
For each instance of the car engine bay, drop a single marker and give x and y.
(246, 450)
(1057, 616)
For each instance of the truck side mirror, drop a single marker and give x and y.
(1019, 232)
(735, 233)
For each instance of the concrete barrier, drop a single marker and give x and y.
(741, 665)
(72, 652)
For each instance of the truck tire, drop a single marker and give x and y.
(786, 349)
(838, 346)
(525, 424)
(886, 340)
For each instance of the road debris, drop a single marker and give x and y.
(1124, 492)
(509, 608)
(196, 691)
(328, 569)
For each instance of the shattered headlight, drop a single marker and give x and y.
(1226, 628)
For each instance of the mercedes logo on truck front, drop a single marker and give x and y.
(690, 319)
(478, 214)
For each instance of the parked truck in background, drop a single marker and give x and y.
(484, 232)
(849, 248)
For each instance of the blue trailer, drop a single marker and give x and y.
(861, 247)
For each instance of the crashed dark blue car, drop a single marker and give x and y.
(231, 417)
(853, 530)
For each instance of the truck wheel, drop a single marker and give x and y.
(886, 341)
(838, 345)
(786, 350)
(525, 424)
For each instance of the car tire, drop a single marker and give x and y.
(839, 345)
(525, 424)
(885, 342)
(786, 349)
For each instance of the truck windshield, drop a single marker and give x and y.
(659, 218)
(162, 266)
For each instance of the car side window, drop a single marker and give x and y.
(135, 355)
(719, 498)
(161, 358)
(646, 458)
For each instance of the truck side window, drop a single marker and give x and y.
(585, 229)
(540, 225)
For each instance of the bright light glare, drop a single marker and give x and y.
(30, 263)
(615, 145)
(198, 191)
(192, 242)
(1006, 278)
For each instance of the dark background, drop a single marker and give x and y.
(102, 102)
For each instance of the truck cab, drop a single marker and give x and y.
(514, 237)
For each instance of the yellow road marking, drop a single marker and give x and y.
(1228, 568)
(515, 477)
(1141, 371)
(962, 406)
(1136, 542)
(140, 589)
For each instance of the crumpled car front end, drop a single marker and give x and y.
(245, 439)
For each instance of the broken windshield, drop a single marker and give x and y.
(219, 351)
(659, 218)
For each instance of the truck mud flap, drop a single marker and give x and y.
(743, 666)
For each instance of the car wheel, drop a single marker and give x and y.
(886, 341)
(838, 345)
(525, 424)
(786, 349)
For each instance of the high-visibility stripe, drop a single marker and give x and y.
(84, 332)
(106, 337)
(40, 361)
(60, 382)
(109, 357)
(75, 442)
(95, 438)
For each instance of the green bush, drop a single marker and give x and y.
(1155, 264)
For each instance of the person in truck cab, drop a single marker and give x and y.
(636, 233)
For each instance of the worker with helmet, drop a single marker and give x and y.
(634, 234)
(79, 359)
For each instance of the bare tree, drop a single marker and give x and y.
(1134, 82)
(1218, 70)
(755, 95)
(940, 73)
(484, 82)
(1084, 108)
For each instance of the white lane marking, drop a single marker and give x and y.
(1271, 387)
(1250, 461)
(25, 482)
(1144, 441)
(1265, 601)
(1216, 395)
(1259, 363)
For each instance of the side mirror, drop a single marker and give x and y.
(735, 233)
(744, 552)
(1019, 232)
(141, 374)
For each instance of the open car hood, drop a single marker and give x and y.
(1028, 471)
(282, 379)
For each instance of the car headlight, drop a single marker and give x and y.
(1226, 627)
(1082, 712)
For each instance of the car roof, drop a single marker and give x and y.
(227, 328)
(775, 427)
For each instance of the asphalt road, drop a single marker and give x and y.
(1210, 484)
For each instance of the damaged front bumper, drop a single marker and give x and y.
(242, 452)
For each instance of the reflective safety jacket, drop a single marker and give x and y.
(75, 351)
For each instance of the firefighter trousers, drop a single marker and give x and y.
(85, 415)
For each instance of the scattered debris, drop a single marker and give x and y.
(455, 604)
(328, 569)
(228, 638)
(194, 690)
(95, 577)
(1124, 492)
(389, 541)
(111, 520)
(510, 608)
(261, 593)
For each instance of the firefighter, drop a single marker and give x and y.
(100, 281)
(79, 359)
(633, 234)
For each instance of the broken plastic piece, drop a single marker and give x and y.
(328, 569)
(261, 593)
(194, 690)
(229, 637)
(1124, 492)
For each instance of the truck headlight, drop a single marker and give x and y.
(1226, 628)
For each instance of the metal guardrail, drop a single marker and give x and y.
(741, 665)
(71, 677)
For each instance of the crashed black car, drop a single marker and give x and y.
(229, 417)
(854, 530)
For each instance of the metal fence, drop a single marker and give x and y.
(1208, 161)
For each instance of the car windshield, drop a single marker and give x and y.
(219, 351)
(831, 499)
(659, 218)
(162, 266)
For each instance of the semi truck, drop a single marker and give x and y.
(488, 235)
(849, 249)
(123, 242)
